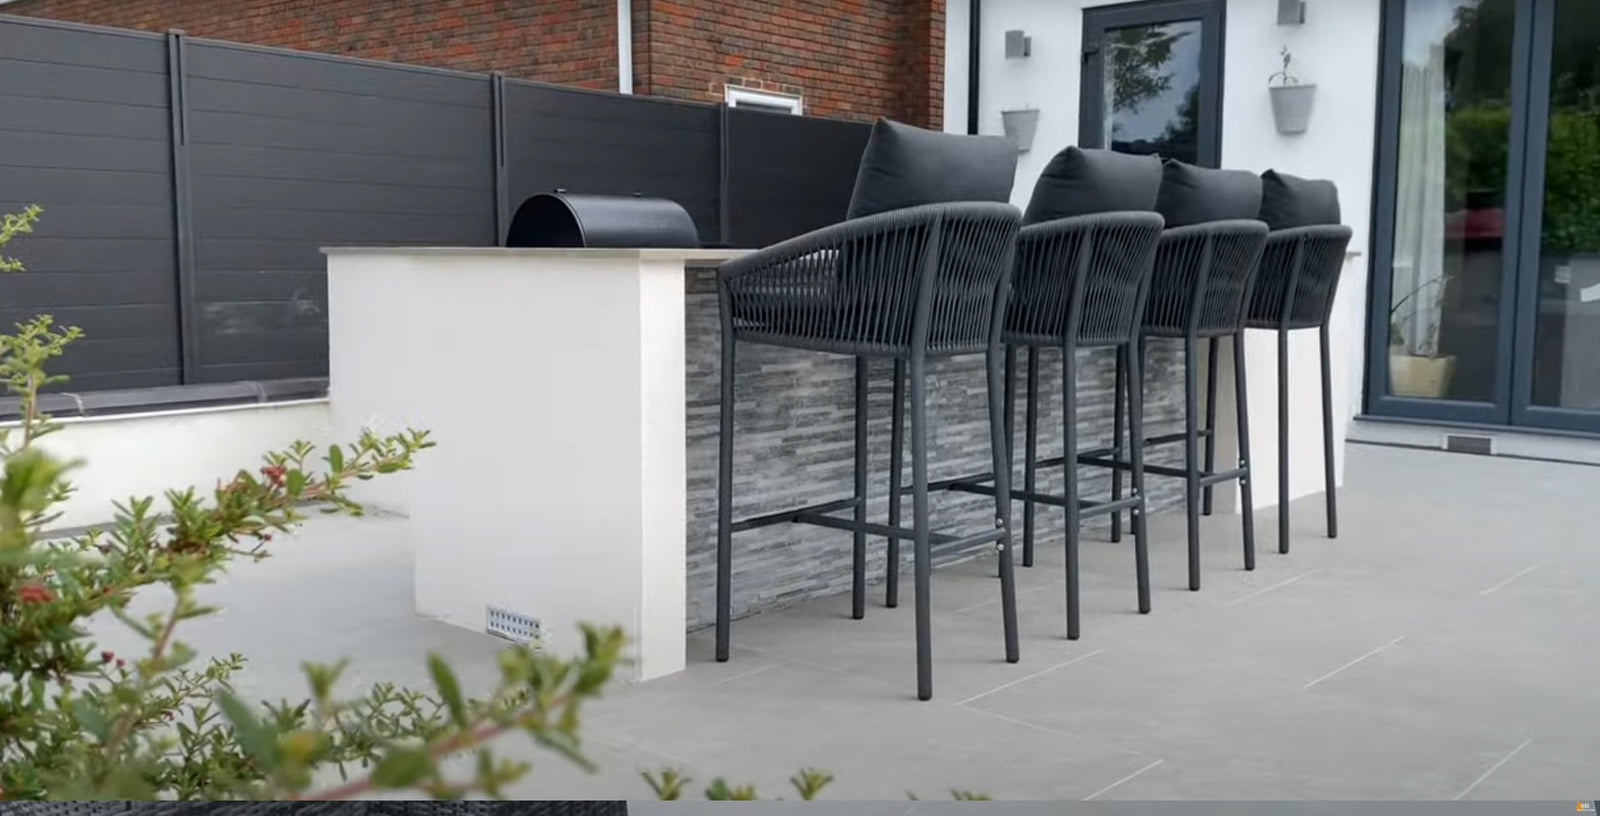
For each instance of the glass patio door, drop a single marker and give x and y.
(1558, 315)
(1488, 224)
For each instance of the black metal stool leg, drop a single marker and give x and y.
(858, 571)
(1191, 457)
(1069, 481)
(1011, 401)
(1283, 440)
(1000, 442)
(1327, 433)
(1136, 517)
(1030, 467)
(1211, 420)
(1119, 386)
(1010, 397)
(725, 500)
(923, 555)
(897, 466)
(1247, 518)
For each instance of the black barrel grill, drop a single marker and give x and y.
(563, 219)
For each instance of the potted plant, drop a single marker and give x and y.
(1416, 368)
(1292, 100)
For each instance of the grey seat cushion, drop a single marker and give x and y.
(1197, 195)
(1290, 201)
(1082, 181)
(905, 166)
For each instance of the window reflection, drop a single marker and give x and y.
(1152, 82)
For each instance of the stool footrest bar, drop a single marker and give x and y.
(1016, 495)
(792, 516)
(1208, 479)
(884, 530)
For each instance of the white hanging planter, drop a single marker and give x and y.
(1020, 125)
(1291, 107)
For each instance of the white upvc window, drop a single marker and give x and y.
(740, 97)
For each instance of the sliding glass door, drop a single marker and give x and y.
(1487, 270)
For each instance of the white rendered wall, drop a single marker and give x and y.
(147, 454)
(1337, 48)
(554, 384)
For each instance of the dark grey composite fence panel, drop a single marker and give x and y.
(788, 175)
(85, 133)
(289, 153)
(611, 144)
(190, 184)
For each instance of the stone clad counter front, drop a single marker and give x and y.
(794, 445)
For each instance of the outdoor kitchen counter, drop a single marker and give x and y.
(553, 381)
(574, 397)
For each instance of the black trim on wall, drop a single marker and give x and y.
(974, 41)
(182, 206)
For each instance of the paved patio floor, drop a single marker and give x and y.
(1446, 645)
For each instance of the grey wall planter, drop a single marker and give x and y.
(1020, 125)
(1291, 107)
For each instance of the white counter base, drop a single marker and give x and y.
(553, 383)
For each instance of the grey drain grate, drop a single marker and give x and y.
(1469, 443)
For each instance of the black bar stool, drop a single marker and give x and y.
(1205, 266)
(909, 285)
(920, 271)
(1084, 261)
(1295, 289)
(1081, 282)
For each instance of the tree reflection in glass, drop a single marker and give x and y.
(1153, 84)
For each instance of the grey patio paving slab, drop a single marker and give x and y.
(1449, 624)
(762, 727)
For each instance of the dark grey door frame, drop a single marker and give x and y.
(1519, 298)
(1212, 15)
(1530, 250)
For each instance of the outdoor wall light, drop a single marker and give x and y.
(1018, 44)
(1291, 12)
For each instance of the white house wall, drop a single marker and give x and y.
(1337, 48)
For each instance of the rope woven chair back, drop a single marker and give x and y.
(1085, 276)
(1202, 279)
(929, 276)
(1299, 277)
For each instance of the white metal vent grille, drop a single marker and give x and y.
(517, 628)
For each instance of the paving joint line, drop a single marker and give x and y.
(1493, 768)
(1264, 590)
(1506, 582)
(1123, 780)
(1042, 672)
(1390, 644)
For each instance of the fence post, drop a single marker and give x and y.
(182, 207)
(502, 181)
(724, 206)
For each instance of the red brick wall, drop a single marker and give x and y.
(853, 59)
(573, 42)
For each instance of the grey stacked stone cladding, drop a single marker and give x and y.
(795, 440)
